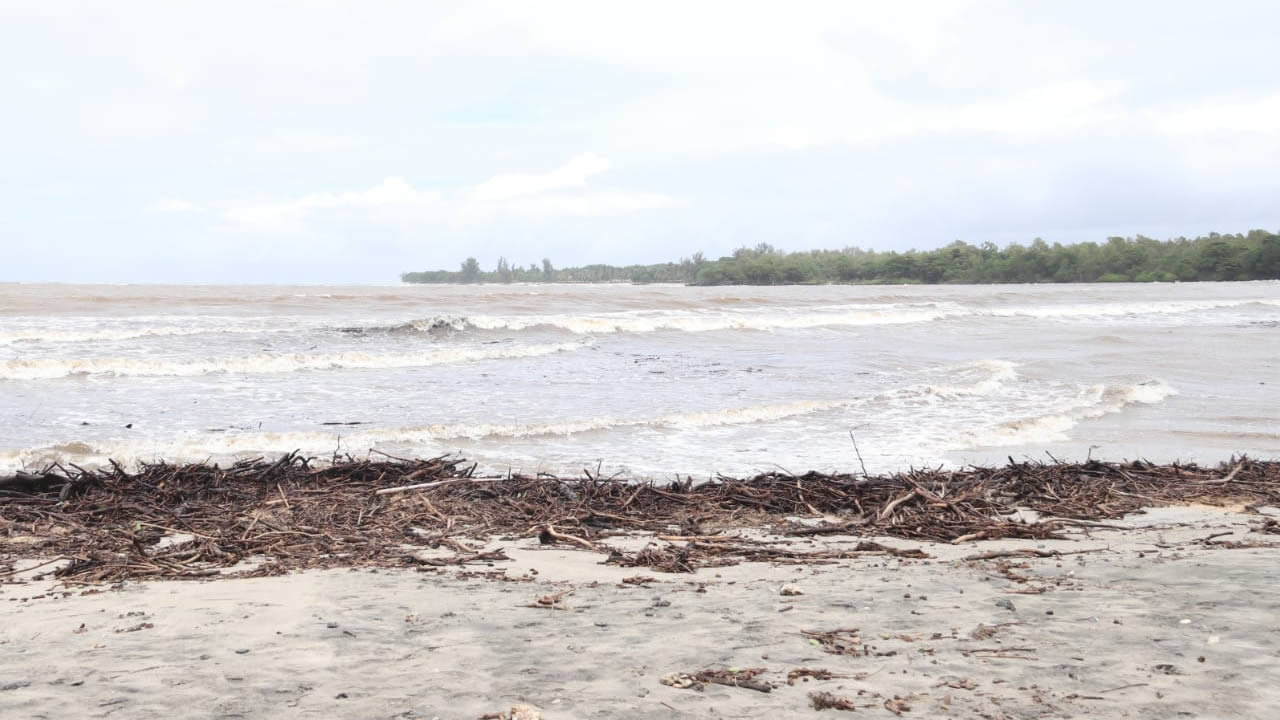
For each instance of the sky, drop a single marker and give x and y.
(323, 141)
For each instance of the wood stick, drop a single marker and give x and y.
(437, 483)
(888, 509)
(549, 531)
(1028, 552)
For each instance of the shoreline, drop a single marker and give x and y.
(591, 599)
(1155, 615)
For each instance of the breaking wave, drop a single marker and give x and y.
(927, 417)
(1093, 402)
(684, 420)
(783, 318)
(198, 446)
(679, 320)
(50, 368)
(742, 316)
(86, 330)
(201, 445)
(1100, 310)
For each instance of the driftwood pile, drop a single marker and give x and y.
(268, 517)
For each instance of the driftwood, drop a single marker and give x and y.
(186, 521)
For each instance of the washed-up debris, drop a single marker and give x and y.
(827, 701)
(518, 712)
(263, 517)
(744, 678)
(897, 705)
(639, 580)
(983, 632)
(844, 641)
(819, 674)
(554, 601)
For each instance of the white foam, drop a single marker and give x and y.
(1093, 402)
(196, 446)
(1120, 309)
(684, 420)
(92, 329)
(1001, 372)
(758, 319)
(49, 368)
(811, 316)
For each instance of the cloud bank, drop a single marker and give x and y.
(153, 142)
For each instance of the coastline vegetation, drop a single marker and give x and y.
(1249, 256)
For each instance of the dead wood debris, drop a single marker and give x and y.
(519, 712)
(844, 641)
(554, 601)
(640, 580)
(983, 632)
(827, 701)
(745, 678)
(1001, 652)
(196, 521)
(805, 673)
(897, 705)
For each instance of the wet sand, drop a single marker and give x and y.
(1153, 621)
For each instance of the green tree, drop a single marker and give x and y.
(470, 270)
(1253, 255)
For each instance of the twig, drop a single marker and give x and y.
(437, 483)
(858, 452)
(1123, 687)
(888, 509)
(550, 534)
(1028, 552)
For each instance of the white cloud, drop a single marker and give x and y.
(561, 192)
(299, 141)
(1222, 116)
(393, 196)
(172, 77)
(173, 206)
(1222, 136)
(768, 119)
(592, 203)
(138, 117)
(573, 174)
(760, 75)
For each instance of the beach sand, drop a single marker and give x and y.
(1151, 621)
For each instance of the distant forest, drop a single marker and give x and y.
(1252, 256)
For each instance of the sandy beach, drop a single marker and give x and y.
(1151, 618)
(639, 360)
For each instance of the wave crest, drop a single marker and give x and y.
(1094, 402)
(52, 368)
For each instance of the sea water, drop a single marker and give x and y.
(654, 380)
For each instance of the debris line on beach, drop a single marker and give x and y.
(262, 517)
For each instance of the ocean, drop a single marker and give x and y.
(640, 381)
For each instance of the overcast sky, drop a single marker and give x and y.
(350, 141)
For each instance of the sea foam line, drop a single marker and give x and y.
(1093, 402)
(937, 400)
(195, 446)
(52, 368)
(799, 317)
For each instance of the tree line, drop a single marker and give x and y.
(1249, 256)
